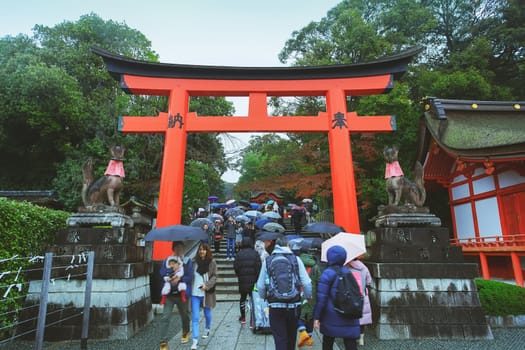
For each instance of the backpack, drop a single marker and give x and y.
(348, 300)
(283, 283)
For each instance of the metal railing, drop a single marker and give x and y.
(19, 318)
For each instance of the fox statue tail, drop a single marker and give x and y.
(88, 178)
(420, 184)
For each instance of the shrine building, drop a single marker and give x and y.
(475, 150)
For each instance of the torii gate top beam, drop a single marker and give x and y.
(118, 65)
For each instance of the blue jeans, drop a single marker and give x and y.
(230, 248)
(196, 303)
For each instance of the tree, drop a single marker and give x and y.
(473, 50)
(62, 107)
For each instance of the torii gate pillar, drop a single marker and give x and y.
(179, 82)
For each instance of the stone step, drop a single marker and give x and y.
(227, 280)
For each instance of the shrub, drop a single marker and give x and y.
(501, 299)
(26, 230)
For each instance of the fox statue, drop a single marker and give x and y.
(400, 188)
(107, 188)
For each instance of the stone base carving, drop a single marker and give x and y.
(402, 220)
(422, 286)
(90, 219)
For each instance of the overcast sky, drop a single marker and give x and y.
(208, 32)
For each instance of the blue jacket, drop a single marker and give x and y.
(303, 276)
(332, 323)
(188, 273)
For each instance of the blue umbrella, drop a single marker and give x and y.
(306, 243)
(254, 206)
(291, 237)
(176, 233)
(260, 223)
(272, 215)
(253, 214)
(322, 227)
(273, 227)
(242, 218)
(219, 205)
(234, 212)
(213, 217)
(199, 222)
(267, 236)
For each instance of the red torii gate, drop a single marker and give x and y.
(179, 82)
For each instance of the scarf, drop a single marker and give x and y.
(203, 265)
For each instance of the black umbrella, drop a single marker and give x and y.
(322, 227)
(267, 236)
(176, 233)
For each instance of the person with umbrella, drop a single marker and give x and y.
(176, 299)
(330, 322)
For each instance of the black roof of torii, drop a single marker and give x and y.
(118, 65)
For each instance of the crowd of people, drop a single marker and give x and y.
(299, 290)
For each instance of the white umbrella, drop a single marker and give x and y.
(354, 245)
(230, 201)
(272, 215)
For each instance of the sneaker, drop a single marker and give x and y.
(242, 319)
(303, 338)
(185, 338)
(194, 345)
(309, 341)
(164, 345)
(206, 334)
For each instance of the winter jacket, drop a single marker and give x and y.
(357, 265)
(229, 229)
(307, 309)
(210, 279)
(188, 272)
(247, 266)
(332, 323)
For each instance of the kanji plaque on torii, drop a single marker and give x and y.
(179, 82)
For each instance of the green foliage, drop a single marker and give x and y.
(197, 179)
(500, 299)
(26, 228)
(26, 231)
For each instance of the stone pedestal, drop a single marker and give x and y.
(422, 287)
(120, 299)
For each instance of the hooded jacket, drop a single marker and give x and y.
(332, 323)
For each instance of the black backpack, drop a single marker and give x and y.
(348, 300)
(283, 284)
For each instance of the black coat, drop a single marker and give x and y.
(247, 266)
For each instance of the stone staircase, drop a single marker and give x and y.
(227, 288)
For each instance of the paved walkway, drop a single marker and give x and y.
(229, 334)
